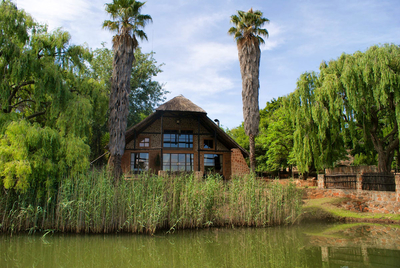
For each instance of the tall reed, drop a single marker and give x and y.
(92, 204)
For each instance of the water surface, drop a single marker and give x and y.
(311, 245)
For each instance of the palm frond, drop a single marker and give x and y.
(248, 25)
(113, 26)
(126, 18)
(141, 34)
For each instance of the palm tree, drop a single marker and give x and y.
(247, 33)
(128, 23)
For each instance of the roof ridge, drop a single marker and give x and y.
(182, 104)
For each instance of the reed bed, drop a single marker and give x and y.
(92, 204)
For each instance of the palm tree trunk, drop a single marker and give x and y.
(249, 59)
(119, 100)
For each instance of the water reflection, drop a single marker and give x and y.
(359, 245)
(297, 246)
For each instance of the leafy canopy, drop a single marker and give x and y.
(126, 18)
(146, 93)
(49, 106)
(248, 26)
(352, 97)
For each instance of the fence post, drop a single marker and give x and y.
(321, 182)
(397, 182)
(359, 182)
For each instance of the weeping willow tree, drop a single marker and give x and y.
(248, 35)
(354, 94)
(48, 105)
(128, 23)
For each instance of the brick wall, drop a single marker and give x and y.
(238, 163)
(351, 170)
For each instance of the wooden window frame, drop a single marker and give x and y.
(141, 138)
(221, 159)
(135, 161)
(209, 139)
(185, 163)
(178, 148)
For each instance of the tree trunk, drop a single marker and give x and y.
(385, 147)
(114, 166)
(252, 153)
(249, 59)
(385, 159)
(123, 46)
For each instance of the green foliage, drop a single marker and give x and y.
(126, 16)
(351, 95)
(36, 158)
(364, 160)
(49, 106)
(274, 144)
(275, 138)
(145, 93)
(248, 25)
(239, 135)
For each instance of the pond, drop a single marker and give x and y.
(308, 245)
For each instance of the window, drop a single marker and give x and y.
(178, 139)
(208, 144)
(139, 162)
(213, 163)
(145, 142)
(178, 162)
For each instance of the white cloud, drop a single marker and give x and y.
(276, 36)
(212, 55)
(82, 19)
(54, 13)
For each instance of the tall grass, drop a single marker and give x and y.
(92, 204)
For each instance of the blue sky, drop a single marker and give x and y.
(190, 38)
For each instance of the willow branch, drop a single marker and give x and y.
(15, 90)
(36, 114)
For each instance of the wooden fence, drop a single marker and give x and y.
(341, 181)
(369, 181)
(378, 182)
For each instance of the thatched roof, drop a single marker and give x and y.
(180, 104)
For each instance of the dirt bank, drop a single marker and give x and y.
(333, 209)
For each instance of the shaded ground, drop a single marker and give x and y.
(331, 209)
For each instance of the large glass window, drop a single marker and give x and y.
(178, 162)
(213, 163)
(139, 162)
(178, 139)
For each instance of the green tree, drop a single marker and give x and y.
(35, 158)
(248, 35)
(355, 93)
(145, 94)
(275, 138)
(239, 135)
(128, 23)
(47, 99)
